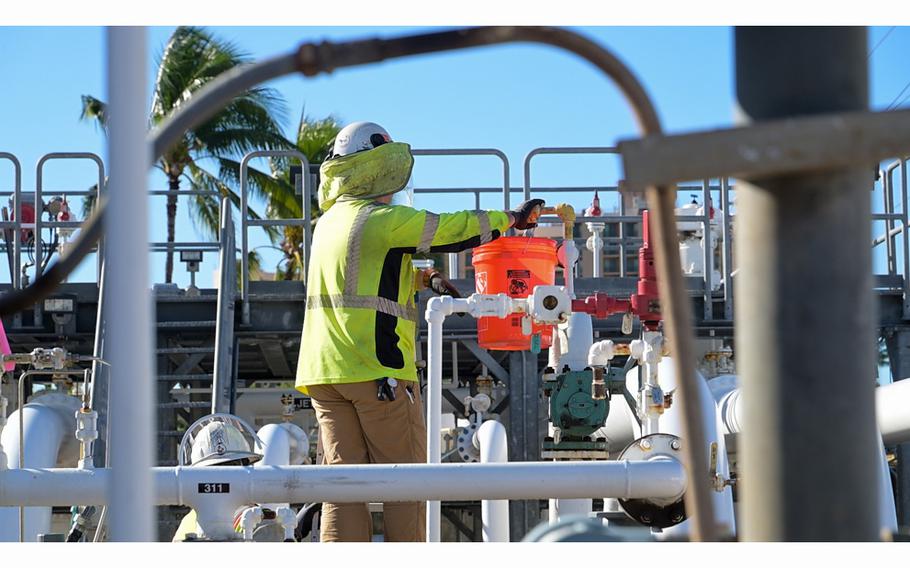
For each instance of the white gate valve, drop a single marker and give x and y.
(248, 521)
(288, 521)
(87, 433)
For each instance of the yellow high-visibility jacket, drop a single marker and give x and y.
(361, 317)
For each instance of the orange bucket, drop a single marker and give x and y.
(514, 266)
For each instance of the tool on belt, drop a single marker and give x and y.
(385, 389)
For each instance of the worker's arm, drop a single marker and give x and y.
(423, 231)
(454, 232)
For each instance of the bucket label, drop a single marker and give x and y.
(480, 282)
(518, 282)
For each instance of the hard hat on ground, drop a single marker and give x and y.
(218, 439)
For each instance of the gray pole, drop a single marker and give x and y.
(804, 306)
(224, 332)
(128, 304)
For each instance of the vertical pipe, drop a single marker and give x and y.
(905, 237)
(622, 241)
(707, 249)
(806, 341)
(888, 199)
(435, 316)
(39, 192)
(598, 250)
(494, 448)
(455, 378)
(307, 221)
(127, 298)
(454, 273)
(727, 250)
(100, 392)
(244, 244)
(223, 372)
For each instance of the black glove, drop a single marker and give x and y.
(442, 286)
(526, 214)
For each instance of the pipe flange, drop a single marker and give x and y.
(659, 513)
(467, 451)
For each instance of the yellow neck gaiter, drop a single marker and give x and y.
(365, 175)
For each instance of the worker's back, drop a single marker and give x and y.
(361, 316)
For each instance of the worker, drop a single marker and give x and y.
(215, 440)
(357, 350)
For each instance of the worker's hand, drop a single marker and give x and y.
(526, 214)
(436, 282)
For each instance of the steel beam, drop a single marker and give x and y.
(805, 314)
(771, 148)
(526, 432)
(484, 357)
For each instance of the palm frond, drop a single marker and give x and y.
(95, 110)
(206, 218)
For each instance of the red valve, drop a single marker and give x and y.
(645, 303)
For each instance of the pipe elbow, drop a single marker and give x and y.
(601, 353)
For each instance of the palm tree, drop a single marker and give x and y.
(207, 156)
(314, 140)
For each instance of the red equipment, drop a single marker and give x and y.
(645, 303)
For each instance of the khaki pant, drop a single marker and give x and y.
(355, 427)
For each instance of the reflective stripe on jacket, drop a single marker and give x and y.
(361, 317)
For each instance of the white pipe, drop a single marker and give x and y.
(438, 308)
(892, 409)
(44, 431)
(560, 509)
(671, 423)
(435, 316)
(494, 448)
(569, 256)
(601, 353)
(579, 334)
(555, 351)
(891, 404)
(276, 445)
(886, 507)
(127, 299)
(893, 421)
(664, 478)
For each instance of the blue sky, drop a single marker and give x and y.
(514, 98)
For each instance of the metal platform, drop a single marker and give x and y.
(264, 325)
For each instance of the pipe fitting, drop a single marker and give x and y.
(288, 521)
(249, 519)
(601, 353)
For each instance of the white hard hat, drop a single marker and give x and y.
(359, 136)
(217, 439)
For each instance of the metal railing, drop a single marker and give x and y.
(622, 242)
(454, 265)
(15, 225)
(891, 232)
(897, 260)
(246, 222)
